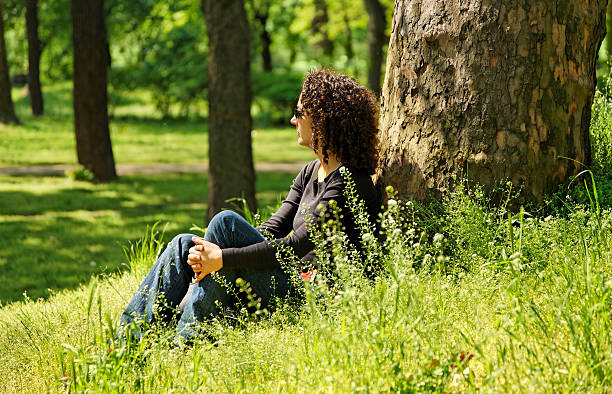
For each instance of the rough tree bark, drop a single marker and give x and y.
(34, 50)
(7, 111)
(91, 60)
(496, 89)
(376, 41)
(231, 172)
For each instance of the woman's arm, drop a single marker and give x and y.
(263, 254)
(280, 223)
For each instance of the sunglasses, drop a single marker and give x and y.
(298, 113)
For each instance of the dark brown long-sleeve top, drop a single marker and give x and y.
(305, 195)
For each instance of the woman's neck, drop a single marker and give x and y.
(327, 168)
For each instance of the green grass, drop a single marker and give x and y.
(137, 134)
(509, 321)
(57, 232)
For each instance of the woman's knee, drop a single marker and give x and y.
(182, 241)
(224, 221)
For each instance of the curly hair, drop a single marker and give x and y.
(344, 119)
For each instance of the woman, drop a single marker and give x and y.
(336, 117)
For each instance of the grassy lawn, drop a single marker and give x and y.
(57, 232)
(496, 304)
(138, 136)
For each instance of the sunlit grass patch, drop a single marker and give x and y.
(57, 232)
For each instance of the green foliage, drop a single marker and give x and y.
(162, 47)
(54, 34)
(276, 94)
(167, 55)
(81, 174)
(601, 132)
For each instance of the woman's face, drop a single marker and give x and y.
(303, 125)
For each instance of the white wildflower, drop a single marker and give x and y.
(438, 238)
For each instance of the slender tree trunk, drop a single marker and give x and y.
(7, 111)
(94, 150)
(318, 28)
(266, 40)
(348, 45)
(376, 41)
(231, 172)
(34, 50)
(491, 89)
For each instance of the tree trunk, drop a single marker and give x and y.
(348, 45)
(34, 49)
(231, 172)
(491, 89)
(376, 41)
(7, 111)
(266, 41)
(318, 28)
(94, 150)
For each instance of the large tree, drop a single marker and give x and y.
(91, 60)
(490, 89)
(376, 41)
(7, 111)
(231, 172)
(34, 50)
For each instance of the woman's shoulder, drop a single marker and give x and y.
(309, 169)
(306, 173)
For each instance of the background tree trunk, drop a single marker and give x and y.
(261, 15)
(94, 150)
(231, 172)
(376, 41)
(7, 111)
(318, 28)
(34, 50)
(496, 89)
(348, 44)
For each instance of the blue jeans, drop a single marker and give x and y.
(167, 282)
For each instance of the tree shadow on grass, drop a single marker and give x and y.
(58, 239)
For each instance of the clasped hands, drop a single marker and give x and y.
(204, 257)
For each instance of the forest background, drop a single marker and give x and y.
(162, 47)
